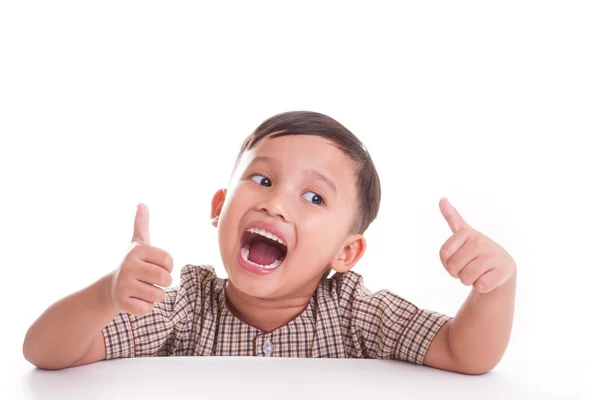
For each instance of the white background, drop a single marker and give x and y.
(495, 105)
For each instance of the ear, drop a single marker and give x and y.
(353, 249)
(216, 206)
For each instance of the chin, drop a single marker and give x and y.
(252, 284)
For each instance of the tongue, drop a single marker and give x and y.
(263, 253)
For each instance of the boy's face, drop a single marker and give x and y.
(302, 189)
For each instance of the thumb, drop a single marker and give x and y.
(453, 218)
(141, 226)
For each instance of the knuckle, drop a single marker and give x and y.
(157, 276)
(452, 269)
(157, 295)
(443, 254)
(465, 279)
(165, 279)
(168, 261)
(447, 261)
(161, 278)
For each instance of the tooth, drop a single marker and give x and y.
(266, 234)
(245, 253)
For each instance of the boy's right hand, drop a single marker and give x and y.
(132, 287)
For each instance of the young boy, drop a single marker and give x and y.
(302, 193)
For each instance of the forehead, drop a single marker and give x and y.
(298, 152)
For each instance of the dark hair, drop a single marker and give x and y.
(313, 123)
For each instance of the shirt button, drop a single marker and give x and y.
(268, 348)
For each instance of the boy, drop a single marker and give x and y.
(302, 193)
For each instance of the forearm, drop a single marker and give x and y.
(65, 331)
(479, 335)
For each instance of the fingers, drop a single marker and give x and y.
(457, 261)
(154, 255)
(453, 218)
(471, 256)
(474, 270)
(131, 295)
(141, 225)
(452, 245)
(491, 280)
(137, 285)
(149, 293)
(154, 275)
(137, 307)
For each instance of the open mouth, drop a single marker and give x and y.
(262, 249)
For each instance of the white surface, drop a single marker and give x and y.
(269, 378)
(491, 104)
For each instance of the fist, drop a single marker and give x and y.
(472, 257)
(137, 284)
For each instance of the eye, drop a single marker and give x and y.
(261, 180)
(313, 198)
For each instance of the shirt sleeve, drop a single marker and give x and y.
(383, 325)
(167, 329)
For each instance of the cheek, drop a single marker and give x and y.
(324, 222)
(228, 222)
(320, 237)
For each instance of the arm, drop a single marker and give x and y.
(475, 341)
(69, 332)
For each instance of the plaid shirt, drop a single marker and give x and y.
(342, 319)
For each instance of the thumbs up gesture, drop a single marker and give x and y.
(136, 284)
(471, 256)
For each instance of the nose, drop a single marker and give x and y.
(274, 205)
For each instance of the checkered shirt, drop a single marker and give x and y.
(342, 320)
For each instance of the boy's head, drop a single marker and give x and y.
(307, 180)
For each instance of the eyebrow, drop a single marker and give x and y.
(316, 174)
(262, 158)
(322, 177)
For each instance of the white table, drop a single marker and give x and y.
(270, 378)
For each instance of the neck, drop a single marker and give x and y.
(266, 314)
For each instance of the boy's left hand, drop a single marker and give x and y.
(471, 256)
